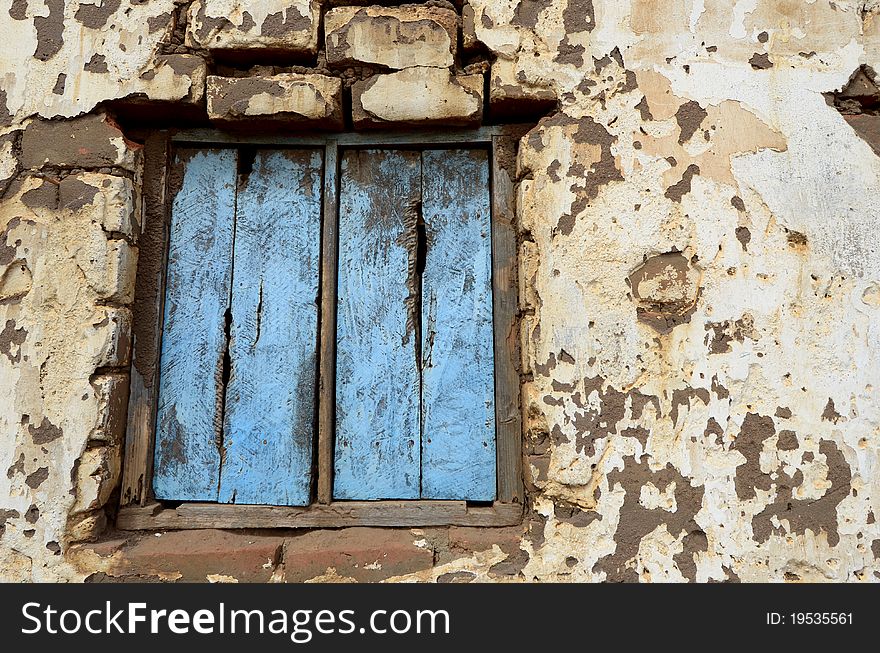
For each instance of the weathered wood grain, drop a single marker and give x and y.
(189, 411)
(458, 402)
(270, 397)
(335, 515)
(505, 291)
(377, 380)
(147, 327)
(378, 138)
(327, 350)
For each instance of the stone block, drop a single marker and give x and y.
(469, 39)
(90, 141)
(418, 96)
(529, 263)
(288, 97)
(114, 281)
(85, 526)
(110, 196)
(364, 554)
(97, 475)
(463, 541)
(290, 26)
(107, 340)
(510, 92)
(112, 393)
(396, 37)
(196, 555)
(175, 78)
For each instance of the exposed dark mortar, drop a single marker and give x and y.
(689, 117)
(50, 31)
(96, 16)
(636, 522)
(663, 315)
(683, 187)
(761, 61)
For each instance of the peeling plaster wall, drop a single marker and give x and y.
(76, 54)
(742, 441)
(67, 269)
(699, 285)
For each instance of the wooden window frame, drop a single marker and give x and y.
(140, 510)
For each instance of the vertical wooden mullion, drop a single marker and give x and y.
(508, 418)
(327, 337)
(149, 309)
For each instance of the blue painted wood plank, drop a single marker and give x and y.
(458, 399)
(189, 412)
(270, 397)
(377, 379)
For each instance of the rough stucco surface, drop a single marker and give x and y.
(67, 279)
(699, 281)
(101, 48)
(310, 97)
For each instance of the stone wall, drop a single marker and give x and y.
(699, 272)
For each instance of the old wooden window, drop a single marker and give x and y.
(335, 328)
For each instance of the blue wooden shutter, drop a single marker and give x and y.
(458, 379)
(268, 428)
(189, 418)
(377, 378)
(415, 371)
(250, 258)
